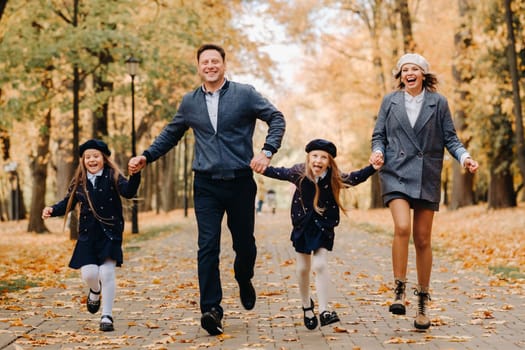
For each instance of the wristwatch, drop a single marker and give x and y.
(267, 153)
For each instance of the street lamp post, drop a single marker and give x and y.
(133, 65)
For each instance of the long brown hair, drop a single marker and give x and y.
(336, 183)
(80, 178)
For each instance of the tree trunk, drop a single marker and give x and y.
(409, 45)
(3, 3)
(462, 181)
(501, 189)
(39, 169)
(376, 200)
(513, 68)
(4, 146)
(462, 187)
(17, 207)
(73, 222)
(100, 115)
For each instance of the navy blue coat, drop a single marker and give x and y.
(305, 220)
(106, 201)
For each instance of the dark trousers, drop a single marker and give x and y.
(212, 199)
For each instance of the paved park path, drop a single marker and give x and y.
(156, 305)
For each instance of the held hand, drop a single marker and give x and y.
(376, 159)
(471, 165)
(136, 164)
(259, 163)
(46, 212)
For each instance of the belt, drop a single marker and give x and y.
(226, 175)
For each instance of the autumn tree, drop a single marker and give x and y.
(82, 46)
(512, 59)
(492, 107)
(374, 15)
(462, 181)
(409, 44)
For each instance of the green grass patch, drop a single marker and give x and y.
(16, 284)
(131, 249)
(371, 228)
(152, 232)
(507, 272)
(132, 242)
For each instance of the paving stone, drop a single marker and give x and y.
(157, 301)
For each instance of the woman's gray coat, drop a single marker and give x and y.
(414, 155)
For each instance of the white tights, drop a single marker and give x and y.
(104, 275)
(317, 262)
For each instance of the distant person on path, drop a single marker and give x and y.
(97, 186)
(315, 214)
(261, 192)
(271, 197)
(413, 128)
(222, 115)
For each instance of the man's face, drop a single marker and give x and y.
(211, 67)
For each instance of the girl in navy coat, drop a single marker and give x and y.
(413, 128)
(97, 187)
(315, 214)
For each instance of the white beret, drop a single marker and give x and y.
(413, 58)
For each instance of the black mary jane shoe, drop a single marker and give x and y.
(328, 317)
(310, 322)
(93, 305)
(106, 326)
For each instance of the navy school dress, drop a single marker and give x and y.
(100, 240)
(312, 230)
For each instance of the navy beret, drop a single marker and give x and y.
(323, 145)
(94, 144)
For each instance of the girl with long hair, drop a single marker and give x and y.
(315, 213)
(97, 186)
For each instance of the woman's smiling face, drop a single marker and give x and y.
(318, 162)
(93, 160)
(412, 77)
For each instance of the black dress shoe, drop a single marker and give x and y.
(93, 305)
(328, 317)
(310, 322)
(247, 293)
(106, 326)
(211, 322)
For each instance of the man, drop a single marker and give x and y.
(222, 115)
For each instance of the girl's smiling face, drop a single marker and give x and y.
(318, 162)
(93, 160)
(412, 76)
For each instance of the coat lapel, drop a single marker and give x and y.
(400, 113)
(427, 110)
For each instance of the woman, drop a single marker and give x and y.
(413, 128)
